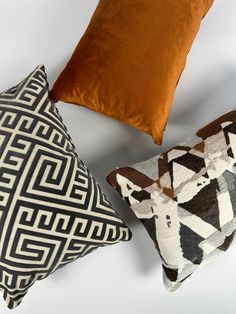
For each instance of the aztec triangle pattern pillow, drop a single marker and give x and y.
(52, 211)
(186, 198)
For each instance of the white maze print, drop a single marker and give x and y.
(52, 211)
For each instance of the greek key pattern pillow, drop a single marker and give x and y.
(52, 211)
(186, 198)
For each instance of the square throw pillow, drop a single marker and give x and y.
(186, 198)
(129, 61)
(52, 210)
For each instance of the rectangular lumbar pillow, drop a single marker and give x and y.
(129, 60)
(186, 198)
(52, 210)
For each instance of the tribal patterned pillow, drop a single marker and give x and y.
(52, 211)
(186, 198)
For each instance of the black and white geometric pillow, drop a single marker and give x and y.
(52, 211)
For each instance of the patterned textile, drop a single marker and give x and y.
(186, 198)
(52, 211)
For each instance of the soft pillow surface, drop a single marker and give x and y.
(186, 198)
(52, 211)
(129, 61)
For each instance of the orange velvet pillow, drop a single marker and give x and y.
(129, 61)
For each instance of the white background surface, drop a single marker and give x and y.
(125, 278)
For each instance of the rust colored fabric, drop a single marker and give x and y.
(129, 61)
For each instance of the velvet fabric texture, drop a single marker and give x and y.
(129, 61)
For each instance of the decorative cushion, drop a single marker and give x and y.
(129, 61)
(186, 198)
(52, 211)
